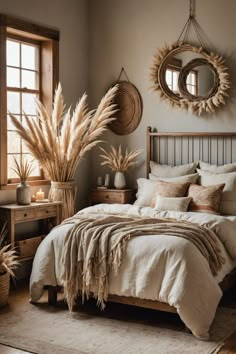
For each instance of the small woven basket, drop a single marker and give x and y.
(4, 288)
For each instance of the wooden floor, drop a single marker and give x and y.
(229, 300)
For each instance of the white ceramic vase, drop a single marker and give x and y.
(119, 181)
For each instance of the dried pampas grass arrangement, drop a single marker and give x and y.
(23, 168)
(59, 140)
(117, 161)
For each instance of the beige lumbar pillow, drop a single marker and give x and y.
(173, 204)
(228, 199)
(231, 167)
(205, 199)
(181, 179)
(172, 171)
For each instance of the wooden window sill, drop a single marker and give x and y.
(12, 186)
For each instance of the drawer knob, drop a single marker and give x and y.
(46, 211)
(25, 214)
(107, 196)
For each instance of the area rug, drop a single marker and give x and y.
(119, 329)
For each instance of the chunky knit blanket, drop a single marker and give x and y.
(95, 244)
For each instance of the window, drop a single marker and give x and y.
(23, 85)
(28, 69)
(172, 76)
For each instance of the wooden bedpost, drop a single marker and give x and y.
(52, 295)
(148, 150)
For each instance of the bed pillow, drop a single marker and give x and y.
(172, 171)
(146, 191)
(169, 189)
(175, 204)
(228, 200)
(217, 169)
(205, 199)
(188, 178)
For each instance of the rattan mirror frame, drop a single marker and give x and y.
(195, 104)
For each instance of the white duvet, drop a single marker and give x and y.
(167, 269)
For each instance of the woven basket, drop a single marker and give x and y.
(4, 288)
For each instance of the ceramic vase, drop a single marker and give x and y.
(23, 194)
(119, 181)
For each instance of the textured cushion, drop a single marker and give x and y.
(205, 199)
(217, 169)
(228, 199)
(169, 189)
(146, 190)
(172, 171)
(188, 178)
(176, 204)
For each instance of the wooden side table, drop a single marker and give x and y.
(112, 196)
(15, 214)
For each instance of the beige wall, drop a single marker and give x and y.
(70, 18)
(127, 33)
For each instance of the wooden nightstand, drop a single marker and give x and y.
(112, 196)
(46, 213)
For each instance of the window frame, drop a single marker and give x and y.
(49, 78)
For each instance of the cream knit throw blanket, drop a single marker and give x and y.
(96, 242)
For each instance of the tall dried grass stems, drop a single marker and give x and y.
(60, 139)
(23, 168)
(8, 257)
(116, 161)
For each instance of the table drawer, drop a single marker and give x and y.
(24, 214)
(109, 197)
(46, 211)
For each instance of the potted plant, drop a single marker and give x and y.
(23, 169)
(59, 139)
(8, 264)
(119, 162)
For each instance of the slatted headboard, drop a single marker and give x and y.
(175, 148)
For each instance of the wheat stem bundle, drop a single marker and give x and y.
(59, 140)
(115, 159)
(23, 168)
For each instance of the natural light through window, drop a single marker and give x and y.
(172, 76)
(23, 85)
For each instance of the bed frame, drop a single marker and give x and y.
(178, 148)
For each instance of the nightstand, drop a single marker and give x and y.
(112, 196)
(45, 213)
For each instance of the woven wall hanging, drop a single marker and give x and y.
(129, 102)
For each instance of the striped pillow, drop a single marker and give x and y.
(205, 199)
(169, 189)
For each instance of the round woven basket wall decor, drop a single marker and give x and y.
(129, 103)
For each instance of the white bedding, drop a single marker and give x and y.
(177, 272)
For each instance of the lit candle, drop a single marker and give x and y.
(40, 195)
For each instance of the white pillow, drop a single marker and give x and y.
(188, 178)
(146, 187)
(175, 204)
(172, 171)
(228, 200)
(231, 167)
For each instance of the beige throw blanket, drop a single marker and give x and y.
(96, 242)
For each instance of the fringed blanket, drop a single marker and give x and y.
(96, 242)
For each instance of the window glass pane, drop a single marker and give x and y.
(11, 164)
(29, 57)
(10, 126)
(29, 79)
(28, 103)
(13, 142)
(13, 102)
(13, 77)
(13, 53)
(175, 81)
(168, 77)
(35, 165)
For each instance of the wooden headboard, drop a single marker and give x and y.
(176, 148)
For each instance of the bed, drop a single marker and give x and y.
(184, 285)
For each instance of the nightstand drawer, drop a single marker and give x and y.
(24, 214)
(46, 211)
(109, 197)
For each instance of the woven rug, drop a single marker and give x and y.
(119, 329)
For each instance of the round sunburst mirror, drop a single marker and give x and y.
(190, 78)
